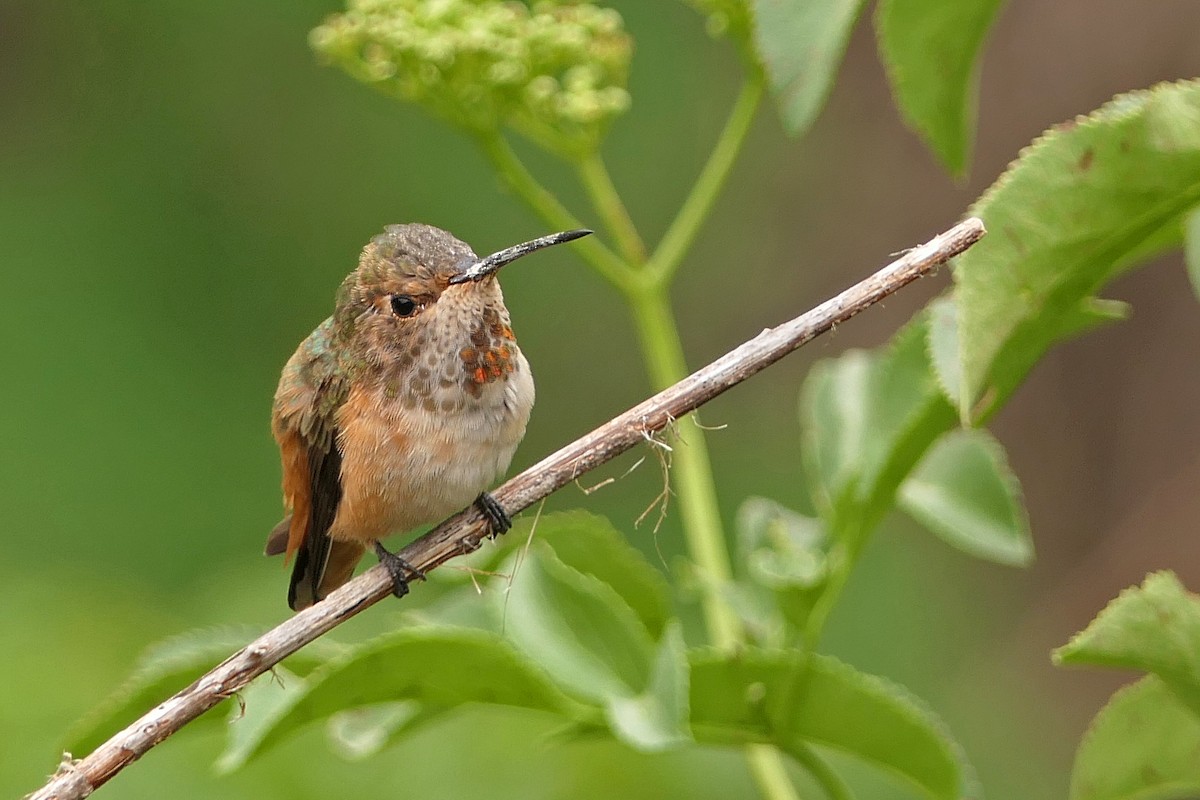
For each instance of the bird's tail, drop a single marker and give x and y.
(321, 569)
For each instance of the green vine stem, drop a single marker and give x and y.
(548, 207)
(842, 561)
(831, 783)
(647, 292)
(594, 177)
(698, 205)
(692, 470)
(770, 772)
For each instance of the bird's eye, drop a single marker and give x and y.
(403, 305)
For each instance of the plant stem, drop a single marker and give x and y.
(696, 208)
(831, 783)
(547, 206)
(770, 773)
(595, 178)
(648, 294)
(841, 562)
(692, 470)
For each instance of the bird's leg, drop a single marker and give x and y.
(398, 569)
(496, 516)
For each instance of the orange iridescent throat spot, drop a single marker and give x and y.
(492, 354)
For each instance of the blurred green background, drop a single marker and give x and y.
(182, 188)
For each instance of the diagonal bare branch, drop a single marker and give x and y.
(464, 532)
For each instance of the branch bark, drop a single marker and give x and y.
(464, 532)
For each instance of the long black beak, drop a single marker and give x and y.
(486, 266)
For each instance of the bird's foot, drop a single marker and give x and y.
(399, 569)
(496, 516)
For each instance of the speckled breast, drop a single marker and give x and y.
(434, 434)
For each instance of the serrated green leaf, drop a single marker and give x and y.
(657, 718)
(439, 667)
(356, 734)
(1067, 217)
(800, 44)
(259, 706)
(464, 607)
(1191, 249)
(833, 425)
(169, 666)
(577, 628)
(781, 555)
(592, 545)
(778, 697)
(778, 547)
(866, 419)
(964, 491)
(1154, 627)
(759, 611)
(1143, 744)
(945, 355)
(931, 50)
(942, 341)
(1091, 313)
(586, 542)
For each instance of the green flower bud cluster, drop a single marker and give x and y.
(556, 72)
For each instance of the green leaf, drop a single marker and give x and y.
(658, 717)
(1080, 205)
(591, 545)
(1143, 744)
(1154, 627)
(586, 542)
(438, 667)
(833, 424)
(778, 697)
(778, 547)
(782, 561)
(866, 419)
(800, 44)
(589, 640)
(169, 666)
(931, 50)
(964, 491)
(946, 357)
(258, 708)
(580, 631)
(1191, 250)
(356, 734)
(942, 341)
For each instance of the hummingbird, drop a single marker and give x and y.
(401, 408)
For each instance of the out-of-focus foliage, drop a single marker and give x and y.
(1144, 742)
(169, 666)
(1084, 203)
(800, 43)
(561, 641)
(932, 51)
(1154, 627)
(1192, 248)
(964, 491)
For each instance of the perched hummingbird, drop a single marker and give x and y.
(401, 408)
